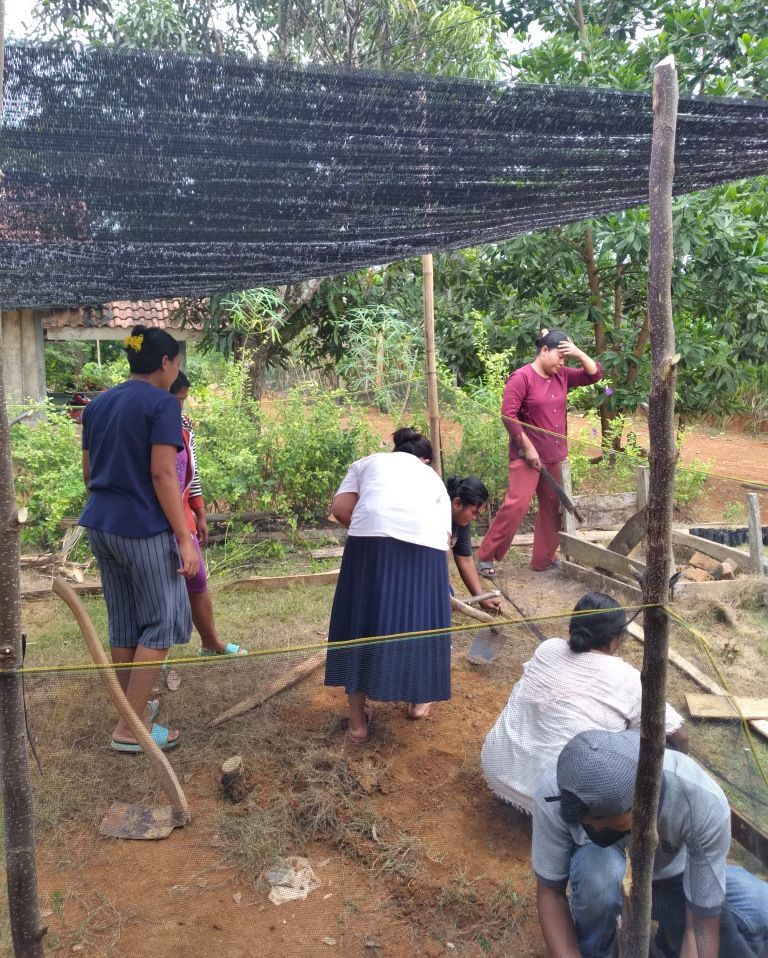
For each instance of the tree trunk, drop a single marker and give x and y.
(636, 924)
(258, 360)
(18, 814)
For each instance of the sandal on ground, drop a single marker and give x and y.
(487, 569)
(362, 739)
(418, 710)
(160, 736)
(229, 649)
(555, 564)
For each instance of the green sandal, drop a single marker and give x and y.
(229, 649)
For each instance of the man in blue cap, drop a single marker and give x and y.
(582, 819)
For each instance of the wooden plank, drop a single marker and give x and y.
(750, 837)
(630, 534)
(701, 705)
(714, 549)
(282, 581)
(92, 587)
(603, 583)
(588, 553)
(703, 590)
(285, 681)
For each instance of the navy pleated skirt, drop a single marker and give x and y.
(387, 587)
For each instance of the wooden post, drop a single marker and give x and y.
(642, 487)
(755, 534)
(636, 924)
(431, 362)
(18, 812)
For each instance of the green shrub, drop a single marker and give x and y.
(48, 474)
(307, 448)
(484, 450)
(290, 462)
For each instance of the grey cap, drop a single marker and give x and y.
(600, 769)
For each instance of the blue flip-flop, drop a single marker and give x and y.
(229, 649)
(160, 736)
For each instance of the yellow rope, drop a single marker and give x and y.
(711, 658)
(310, 647)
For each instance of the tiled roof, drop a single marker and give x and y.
(123, 313)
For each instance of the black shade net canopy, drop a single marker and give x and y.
(135, 175)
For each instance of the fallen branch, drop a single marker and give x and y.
(285, 681)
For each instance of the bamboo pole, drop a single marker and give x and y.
(636, 923)
(18, 812)
(431, 362)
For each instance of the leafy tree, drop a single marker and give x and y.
(592, 277)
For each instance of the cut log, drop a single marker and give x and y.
(236, 783)
(725, 707)
(285, 681)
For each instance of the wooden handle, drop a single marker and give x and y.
(471, 612)
(493, 594)
(166, 774)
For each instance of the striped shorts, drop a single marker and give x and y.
(146, 598)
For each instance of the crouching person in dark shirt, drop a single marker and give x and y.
(468, 499)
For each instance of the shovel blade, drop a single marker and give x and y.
(139, 821)
(486, 646)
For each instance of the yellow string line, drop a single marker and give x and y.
(310, 647)
(596, 445)
(675, 616)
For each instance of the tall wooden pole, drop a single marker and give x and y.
(636, 926)
(14, 762)
(431, 362)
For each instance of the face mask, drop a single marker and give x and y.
(604, 837)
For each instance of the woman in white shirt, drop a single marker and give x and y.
(393, 580)
(566, 688)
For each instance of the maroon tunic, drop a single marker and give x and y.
(531, 399)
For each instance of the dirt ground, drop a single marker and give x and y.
(430, 862)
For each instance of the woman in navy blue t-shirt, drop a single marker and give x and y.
(135, 521)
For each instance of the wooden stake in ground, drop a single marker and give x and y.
(23, 912)
(636, 924)
(431, 363)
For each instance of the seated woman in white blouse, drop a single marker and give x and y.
(567, 688)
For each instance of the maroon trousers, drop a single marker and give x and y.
(524, 480)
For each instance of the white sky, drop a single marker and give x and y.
(17, 11)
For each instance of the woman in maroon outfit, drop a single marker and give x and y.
(535, 396)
